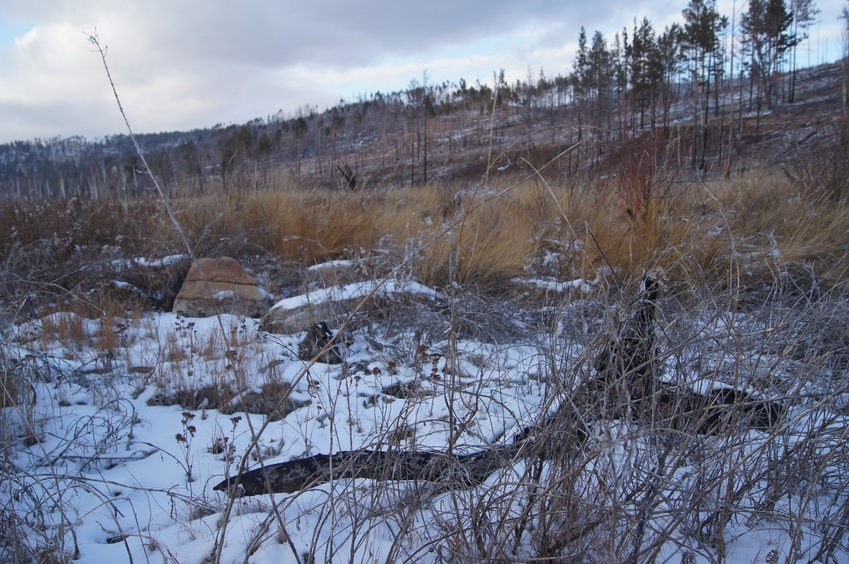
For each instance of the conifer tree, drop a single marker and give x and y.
(768, 29)
(703, 25)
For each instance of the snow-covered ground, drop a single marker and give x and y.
(100, 465)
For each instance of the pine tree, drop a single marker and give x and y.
(702, 28)
(580, 78)
(767, 26)
(600, 69)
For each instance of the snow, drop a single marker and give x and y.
(151, 262)
(331, 264)
(160, 262)
(355, 291)
(109, 474)
(557, 286)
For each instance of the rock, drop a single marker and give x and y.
(227, 289)
(289, 321)
(335, 304)
(332, 305)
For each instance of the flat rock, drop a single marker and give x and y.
(334, 304)
(289, 321)
(219, 286)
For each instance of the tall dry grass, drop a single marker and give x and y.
(626, 222)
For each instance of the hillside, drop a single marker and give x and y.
(444, 132)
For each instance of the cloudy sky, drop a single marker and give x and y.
(183, 64)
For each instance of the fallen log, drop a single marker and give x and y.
(463, 470)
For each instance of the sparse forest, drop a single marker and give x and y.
(586, 315)
(711, 86)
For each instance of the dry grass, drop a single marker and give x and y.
(628, 221)
(775, 215)
(9, 384)
(100, 323)
(488, 238)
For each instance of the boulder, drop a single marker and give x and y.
(224, 287)
(335, 304)
(286, 321)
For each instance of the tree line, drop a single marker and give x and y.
(701, 74)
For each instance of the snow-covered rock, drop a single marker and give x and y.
(296, 314)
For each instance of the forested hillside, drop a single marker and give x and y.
(712, 95)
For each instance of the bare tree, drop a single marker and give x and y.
(350, 176)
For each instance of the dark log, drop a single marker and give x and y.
(462, 470)
(723, 409)
(630, 355)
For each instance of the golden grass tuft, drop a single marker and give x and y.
(68, 328)
(779, 221)
(487, 237)
(696, 230)
(315, 226)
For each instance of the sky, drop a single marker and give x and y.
(186, 64)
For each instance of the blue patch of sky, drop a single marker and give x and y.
(12, 30)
